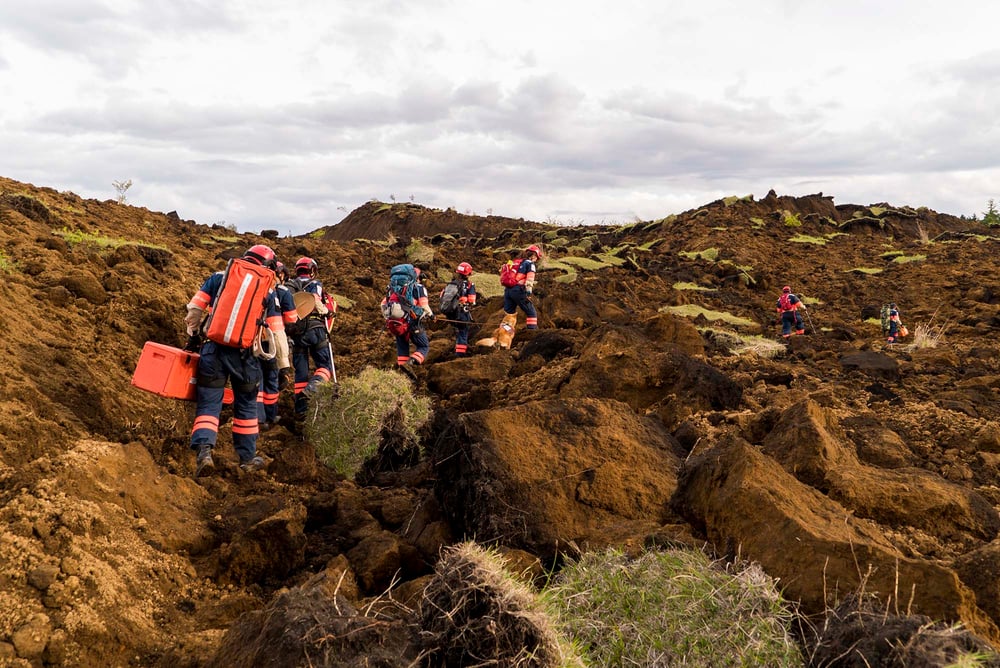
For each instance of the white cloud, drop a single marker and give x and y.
(284, 114)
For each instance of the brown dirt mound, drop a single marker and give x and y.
(105, 532)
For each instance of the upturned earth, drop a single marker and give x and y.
(655, 405)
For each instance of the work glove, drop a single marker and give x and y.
(193, 344)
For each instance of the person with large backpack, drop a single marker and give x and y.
(275, 371)
(238, 301)
(311, 335)
(518, 279)
(457, 300)
(405, 307)
(787, 307)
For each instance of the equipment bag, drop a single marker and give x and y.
(508, 274)
(240, 305)
(449, 299)
(785, 302)
(399, 295)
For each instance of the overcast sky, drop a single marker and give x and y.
(287, 114)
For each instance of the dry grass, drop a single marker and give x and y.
(927, 335)
(475, 613)
(860, 631)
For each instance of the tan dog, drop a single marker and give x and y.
(502, 335)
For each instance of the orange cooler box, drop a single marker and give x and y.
(167, 371)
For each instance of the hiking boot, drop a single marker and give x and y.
(255, 464)
(204, 463)
(266, 425)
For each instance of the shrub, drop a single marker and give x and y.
(346, 420)
(675, 607)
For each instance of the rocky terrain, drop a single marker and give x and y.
(652, 407)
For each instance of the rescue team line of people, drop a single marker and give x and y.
(252, 323)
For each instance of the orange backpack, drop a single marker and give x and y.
(240, 305)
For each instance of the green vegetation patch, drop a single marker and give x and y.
(903, 259)
(487, 285)
(710, 254)
(694, 310)
(419, 253)
(345, 421)
(79, 237)
(733, 199)
(757, 223)
(864, 270)
(6, 264)
(806, 239)
(892, 253)
(569, 271)
(791, 219)
(650, 245)
(691, 286)
(675, 607)
(343, 302)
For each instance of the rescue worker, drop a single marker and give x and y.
(275, 371)
(895, 325)
(466, 300)
(519, 295)
(217, 364)
(311, 335)
(415, 332)
(787, 307)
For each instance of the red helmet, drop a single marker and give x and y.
(465, 269)
(262, 255)
(787, 288)
(533, 249)
(305, 265)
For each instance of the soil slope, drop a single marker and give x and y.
(831, 460)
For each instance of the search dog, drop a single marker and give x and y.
(502, 335)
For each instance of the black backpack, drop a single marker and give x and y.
(449, 298)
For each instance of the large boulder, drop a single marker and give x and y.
(748, 506)
(554, 475)
(620, 363)
(810, 444)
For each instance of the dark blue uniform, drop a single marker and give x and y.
(217, 365)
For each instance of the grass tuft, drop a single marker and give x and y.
(345, 421)
(474, 612)
(675, 607)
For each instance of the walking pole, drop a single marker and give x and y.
(329, 345)
(807, 315)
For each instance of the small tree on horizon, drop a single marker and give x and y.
(121, 187)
